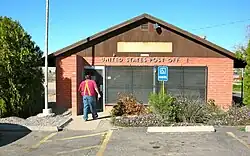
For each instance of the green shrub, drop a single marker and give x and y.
(163, 105)
(190, 110)
(214, 113)
(185, 109)
(169, 110)
(2, 108)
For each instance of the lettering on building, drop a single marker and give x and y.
(140, 60)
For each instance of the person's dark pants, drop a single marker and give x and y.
(89, 102)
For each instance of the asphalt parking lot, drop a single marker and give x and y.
(126, 142)
(50, 144)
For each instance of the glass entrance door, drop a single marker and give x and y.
(97, 74)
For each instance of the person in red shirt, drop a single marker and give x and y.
(88, 90)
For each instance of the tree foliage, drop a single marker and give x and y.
(240, 51)
(247, 76)
(21, 78)
(243, 53)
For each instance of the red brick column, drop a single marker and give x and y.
(68, 76)
(220, 82)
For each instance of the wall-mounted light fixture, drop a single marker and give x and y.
(157, 27)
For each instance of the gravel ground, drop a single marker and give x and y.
(54, 120)
(38, 121)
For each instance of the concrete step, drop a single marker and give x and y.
(79, 124)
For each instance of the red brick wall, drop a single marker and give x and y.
(69, 71)
(219, 80)
(67, 80)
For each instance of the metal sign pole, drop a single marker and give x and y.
(163, 87)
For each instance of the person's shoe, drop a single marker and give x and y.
(85, 120)
(95, 116)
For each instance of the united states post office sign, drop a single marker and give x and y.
(141, 60)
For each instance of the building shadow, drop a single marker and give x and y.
(63, 91)
(57, 109)
(237, 101)
(10, 133)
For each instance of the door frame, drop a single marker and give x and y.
(104, 82)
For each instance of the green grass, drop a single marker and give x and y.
(242, 129)
(236, 88)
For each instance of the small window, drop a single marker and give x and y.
(144, 26)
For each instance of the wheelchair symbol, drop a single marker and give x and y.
(163, 71)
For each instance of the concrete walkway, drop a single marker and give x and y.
(102, 123)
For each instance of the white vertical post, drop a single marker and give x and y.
(154, 79)
(104, 88)
(46, 54)
(242, 90)
(46, 111)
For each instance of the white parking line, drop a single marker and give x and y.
(241, 141)
(75, 150)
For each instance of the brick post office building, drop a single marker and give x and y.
(124, 58)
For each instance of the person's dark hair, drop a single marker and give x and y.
(87, 76)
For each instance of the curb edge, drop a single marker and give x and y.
(181, 129)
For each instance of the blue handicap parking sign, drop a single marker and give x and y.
(162, 73)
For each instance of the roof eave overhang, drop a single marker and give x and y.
(69, 50)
